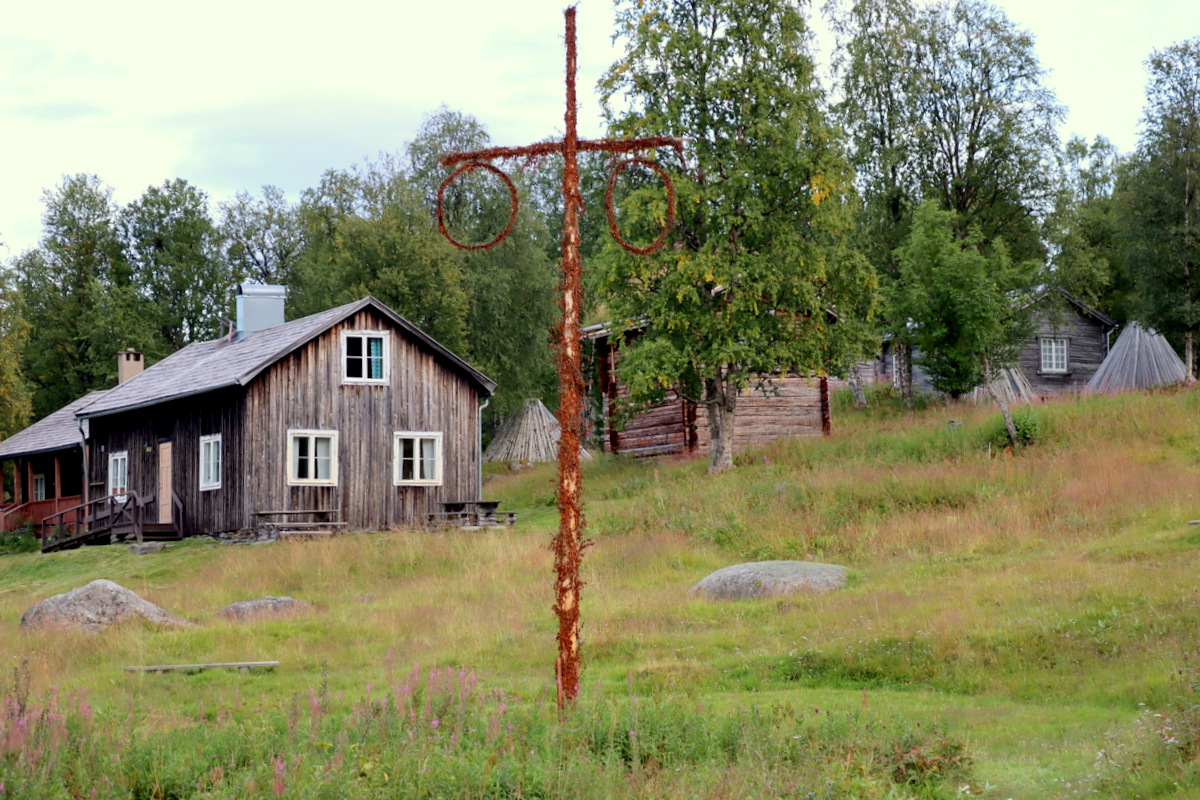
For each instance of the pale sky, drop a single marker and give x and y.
(236, 95)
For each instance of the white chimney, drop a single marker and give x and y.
(259, 306)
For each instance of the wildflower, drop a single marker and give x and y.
(280, 773)
(434, 724)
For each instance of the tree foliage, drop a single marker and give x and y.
(61, 284)
(965, 300)
(944, 103)
(16, 400)
(747, 286)
(510, 288)
(262, 236)
(1160, 197)
(1083, 231)
(172, 250)
(368, 231)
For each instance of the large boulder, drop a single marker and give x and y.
(267, 607)
(769, 579)
(93, 608)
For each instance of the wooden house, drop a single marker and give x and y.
(351, 415)
(1070, 340)
(792, 406)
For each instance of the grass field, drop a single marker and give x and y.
(1017, 625)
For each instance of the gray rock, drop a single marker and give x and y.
(267, 607)
(769, 579)
(93, 608)
(146, 547)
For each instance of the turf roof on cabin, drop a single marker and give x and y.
(206, 366)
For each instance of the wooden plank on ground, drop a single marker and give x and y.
(241, 666)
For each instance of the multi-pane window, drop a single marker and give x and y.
(118, 473)
(210, 462)
(365, 356)
(1054, 355)
(312, 457)
(417, 458)
(39, 487)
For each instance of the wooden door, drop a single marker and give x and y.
(164, 483)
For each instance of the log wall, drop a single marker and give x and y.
(1087, 345)
(792, 406)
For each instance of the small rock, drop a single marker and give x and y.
(93, 608)
(146, 547)
(267, 607)
(769, 579)
(365, 598)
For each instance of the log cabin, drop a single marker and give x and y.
(352, 416)
(1069, 342)
(791, 406)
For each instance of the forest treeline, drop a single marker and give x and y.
(920, 196)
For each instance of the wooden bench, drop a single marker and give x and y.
(472, 514)
(301, 523)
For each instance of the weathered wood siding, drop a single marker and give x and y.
(304, 390)
(791, 407)
(1087, 345)
(182, 422)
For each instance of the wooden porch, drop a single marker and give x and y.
(113, 519)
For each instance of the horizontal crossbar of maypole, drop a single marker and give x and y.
(552, 148)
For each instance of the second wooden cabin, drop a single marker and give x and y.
(792, 406)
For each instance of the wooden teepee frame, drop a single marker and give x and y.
(529, 435)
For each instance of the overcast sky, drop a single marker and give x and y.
(236, 95)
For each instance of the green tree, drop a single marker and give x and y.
(368, 231)
(61, 283)
(509, 288)
(262, 237)
(16, 400)
(1161, 201)
(172, 248)
(963, 298)
(944, 103)
(1083, 231)
(747, 285)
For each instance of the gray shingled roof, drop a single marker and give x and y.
(58, 431)
(205, 366)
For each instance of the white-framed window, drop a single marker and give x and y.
(118, 473)
(417, 458)
(1054, 355)
(365, 356)
(39, 487)
(210, 462)
(312, 458)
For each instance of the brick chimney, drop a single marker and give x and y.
(259, 306)
(129, 364)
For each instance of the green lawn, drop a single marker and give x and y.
(1012, 625)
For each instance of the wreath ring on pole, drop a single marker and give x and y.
(468, 168)
(612, 217)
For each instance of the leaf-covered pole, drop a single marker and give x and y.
(569, 542)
